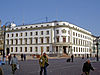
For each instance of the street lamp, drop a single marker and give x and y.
(4, 29)
(97, 47)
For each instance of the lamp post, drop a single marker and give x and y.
(97, 47)
(4, 29)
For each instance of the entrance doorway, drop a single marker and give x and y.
(64, 49)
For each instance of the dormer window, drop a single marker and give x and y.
(41, 25)
(31, 27)
(63, 23)
(57, 24)
(47, 25)
(26, 27)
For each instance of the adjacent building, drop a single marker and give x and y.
(54, 37)
(95, 41)
(1, 39)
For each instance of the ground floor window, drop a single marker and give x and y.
(25, 49)
(56, 48)
(48, 49)
(11, 49)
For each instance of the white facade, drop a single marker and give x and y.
(51, 37)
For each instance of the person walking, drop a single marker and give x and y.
(87, 67)
(72, 57)
(43, 61)
(24, 57)
(9, 58)
(14, 63)
(21, 57)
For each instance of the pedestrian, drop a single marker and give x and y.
(43, 61)
(9, 58)
(21, 57)
(1, 71)
(72, 57)
(83, 57)
(87, 67)
(14, 63)
(24, 57)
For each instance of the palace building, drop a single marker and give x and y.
(56, 37)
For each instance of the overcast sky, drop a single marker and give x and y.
(84, 13)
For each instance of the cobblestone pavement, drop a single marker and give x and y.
(56, 67)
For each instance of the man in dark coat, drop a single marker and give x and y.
(21, 57)
(72, 57)
(87, 67)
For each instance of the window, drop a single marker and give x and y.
(11, 41)
(47, 32)
(74, 41)
(26, 34)
(36, 40)
(76, 34)
(12, 35)
(30, 40)
(79, 42)
(11, 49)
(73, 33)
(57, 31)
(63, 23)
(36, 26)
(63, 31)
(25, 40)
(36, 49)
(15, 49)
(48, 49)
(16, 41)
(68, 38)
(7, 35)
(21, 34)
(30, 49)
(16, 34)
(57, 24)
(21, 41)
(41, 32)
(74, 49)
(56, 48)
(57, 39)
(31, 27)
(7, 42)
(36, 33)
(47, 25)
(79, 49)
(30, 33)
(20, 49)
(47, 39)
(41, 25)
(41, 40)
(25, 49)
(64, 39)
